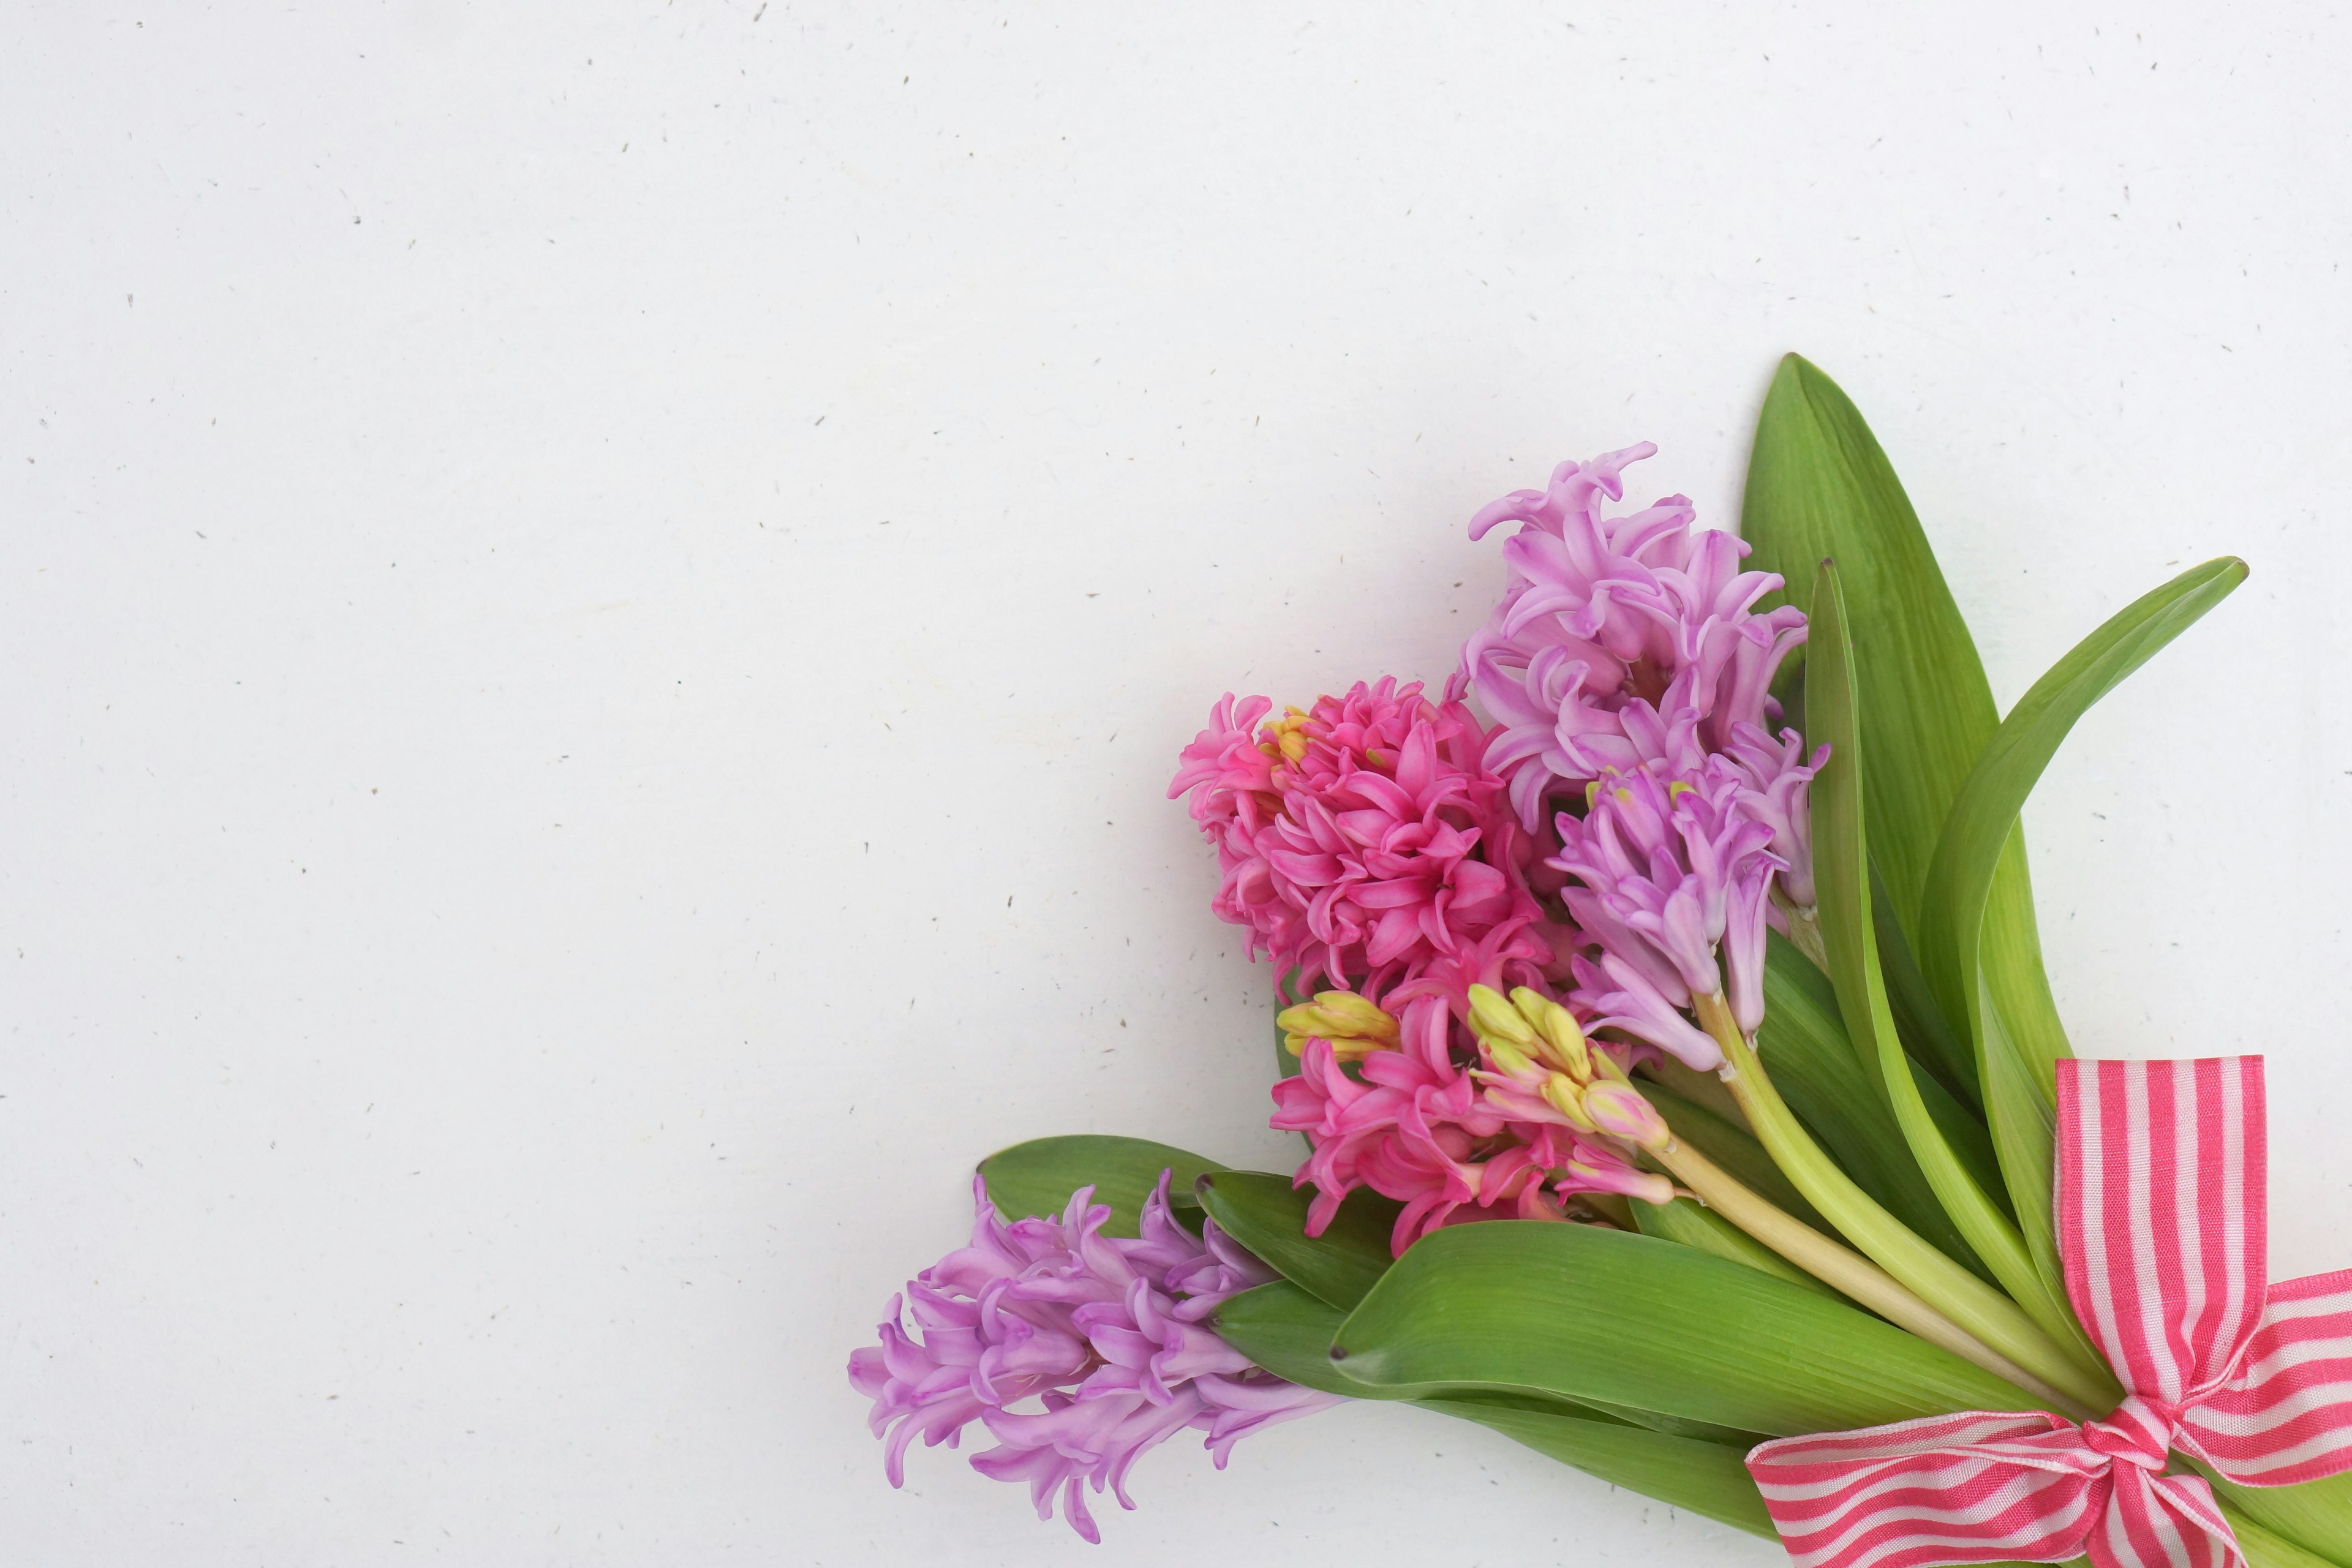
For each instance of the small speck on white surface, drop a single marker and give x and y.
(562, 623)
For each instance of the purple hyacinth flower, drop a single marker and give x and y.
(1079, 1351)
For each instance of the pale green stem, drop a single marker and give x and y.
(1841, 1268)
(1983, 1312)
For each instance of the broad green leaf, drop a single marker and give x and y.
(1818, 486)
(2313, 1515)
(1703, 1477)
(1579, 1312)
(1288, 1333)
(2035, 1330)
(1803, 1044)
(2266, 1548)
(1982, 824)
(1927, 1034)
(1268, 1216)
(1038, 1177)
(1694, 1225)
(1976, 943)
(1730, 1147)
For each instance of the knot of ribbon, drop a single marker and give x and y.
(2163, 1232)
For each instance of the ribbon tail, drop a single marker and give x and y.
(1979, 1487)
(2286, 1414)
(2162, 1522)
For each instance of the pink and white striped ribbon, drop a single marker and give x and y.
(2163, 1230)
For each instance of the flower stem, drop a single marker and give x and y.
(1983, 1312)
(1843, 1269)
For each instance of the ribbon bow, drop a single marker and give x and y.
(2162, 1229)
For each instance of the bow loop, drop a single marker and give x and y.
(2162, 1229)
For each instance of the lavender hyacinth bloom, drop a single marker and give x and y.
(1673, 871)
(1079, 1351)
(1600, 614)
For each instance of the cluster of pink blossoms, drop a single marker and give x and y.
(1620, 835)
(1079, 1351)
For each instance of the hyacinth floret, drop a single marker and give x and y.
(1673, 873)
(1453, 1135)
(1603, 612)
(1362, 840)
(1079, 1351)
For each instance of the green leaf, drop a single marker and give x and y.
(1038, 1177)
(1268, 1216)
(1703, 1477)
(1803, 1044)
(1694, 1225)
(1730, 1147)
(1818, 486)
(1288, 1333)
(1579, 1312)
(2042, 1336)
(1977, 940)
(1927, 1033)
(1981, 826)
(2313, 1515)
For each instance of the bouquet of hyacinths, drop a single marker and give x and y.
(1675, 968)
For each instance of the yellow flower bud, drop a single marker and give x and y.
(1355, 1027)
(1559, 1031)
(1567, 1098)
(1492, 1018)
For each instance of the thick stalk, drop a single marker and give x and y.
(1981, 1311)
(1845, 1270)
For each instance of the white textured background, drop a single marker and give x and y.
(597, 603)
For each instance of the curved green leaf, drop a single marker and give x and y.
(1038, 1177)
(1288, 1333)
(1694, 1225)
(1703, 1477)
(1919, 1019)
(2045, 1329)
(1268, 1216)
(1983, 817)
(1820, 487)
(1977, 940)
(2313, 1515)
(1579, 1312)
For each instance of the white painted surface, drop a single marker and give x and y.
(597, 604)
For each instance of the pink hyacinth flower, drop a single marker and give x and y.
(1362, 840)
(1078, 1351)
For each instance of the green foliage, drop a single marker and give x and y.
(1038, 1177)
(1582, 1313)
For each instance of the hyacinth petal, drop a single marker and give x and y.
(1078, 1351)
(1354, 837)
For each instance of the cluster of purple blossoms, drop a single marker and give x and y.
(1079, 1351)
(1633, 674)
(1625, 835)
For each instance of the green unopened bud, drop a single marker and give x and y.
(1355, 1027)
(1494, 1019)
